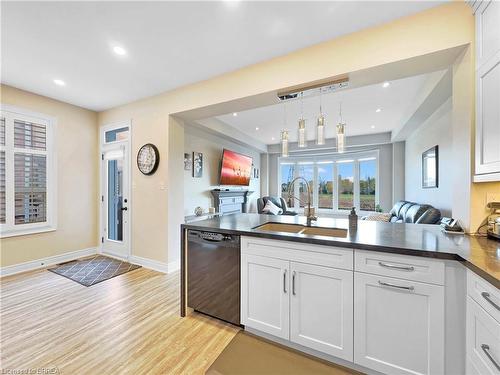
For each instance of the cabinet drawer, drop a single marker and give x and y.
(485, 294)
(328, 256)
(483, 339)
(400, 266)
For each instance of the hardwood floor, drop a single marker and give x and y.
(128, 324)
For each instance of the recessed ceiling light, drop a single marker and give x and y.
(119, 50)
(386, 84)
(272, 138)
(373, 126)
(235, 114)
(257, 128)
(378, 110)
(59, 82)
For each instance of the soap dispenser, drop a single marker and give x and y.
(353, 220)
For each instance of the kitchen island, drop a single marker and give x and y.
(387, 297)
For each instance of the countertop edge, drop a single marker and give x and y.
(383, 249)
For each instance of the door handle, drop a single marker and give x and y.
(293, 283)
(409, 288)
(284, 282)
(486, 350)
(487, 297)
(402, 268)
(124, 209)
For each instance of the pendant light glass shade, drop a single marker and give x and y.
(284, 143)
(302, 133)
(320, 130)
(340, 137)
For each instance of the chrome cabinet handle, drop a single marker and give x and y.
(410, 288)
(402, 268)
(284, 282)
(486, 296)
(486, 350)
(293, 283)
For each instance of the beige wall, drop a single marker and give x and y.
(408, 37)
(77, 181)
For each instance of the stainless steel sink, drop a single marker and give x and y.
(329, 232)
(279, 227)
(302, 229)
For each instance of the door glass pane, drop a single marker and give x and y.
(367, 184)
(346, 185)
(325, 185)
(116, 135)
(306, 171)
(2, 187)
(30, 188)
(115, 200)
(287, 173)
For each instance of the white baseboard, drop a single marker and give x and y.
(174, 266)
(46, 262)
(155, 265)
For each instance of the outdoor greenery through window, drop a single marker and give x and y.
(325, 185)
(367, 184)
(346, 184)
(337, 184)
(287, 173)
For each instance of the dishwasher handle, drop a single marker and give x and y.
(212, 237)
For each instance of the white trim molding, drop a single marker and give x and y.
(155, 265)
(46, 262)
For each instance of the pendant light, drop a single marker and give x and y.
(284, 135)
(320, 125)
(302, 124)
(340, 133)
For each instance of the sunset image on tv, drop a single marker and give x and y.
(236, 169)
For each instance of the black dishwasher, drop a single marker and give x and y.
(213, 274)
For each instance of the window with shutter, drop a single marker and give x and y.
(27, 173)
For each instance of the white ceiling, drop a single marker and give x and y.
(359, 106)
(168, 44)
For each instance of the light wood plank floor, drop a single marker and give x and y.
(128, 324)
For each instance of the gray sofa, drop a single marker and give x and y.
(280, 202)
(410, 212)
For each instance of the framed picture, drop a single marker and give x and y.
(430, 168)
(188, 161)
(197, 164)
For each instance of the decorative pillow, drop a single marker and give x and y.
(271, 208)
(379, 216)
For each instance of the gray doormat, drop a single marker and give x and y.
(91, 271)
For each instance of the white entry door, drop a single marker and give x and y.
(115, 191)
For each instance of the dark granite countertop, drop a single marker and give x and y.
(479, 254)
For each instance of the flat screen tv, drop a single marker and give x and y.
(235, 169)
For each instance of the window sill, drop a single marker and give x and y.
(27, 231)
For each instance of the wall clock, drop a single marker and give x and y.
(148, 159)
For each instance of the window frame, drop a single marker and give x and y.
(357, 157)
(9, 228)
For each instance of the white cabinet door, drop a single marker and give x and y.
(321, 310)
(483, 339)
(265, 287)
(398, 325)
(487, 156)
(488, 117)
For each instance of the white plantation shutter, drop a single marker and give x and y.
(27, 184)
(30, 188)
(30, 136)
